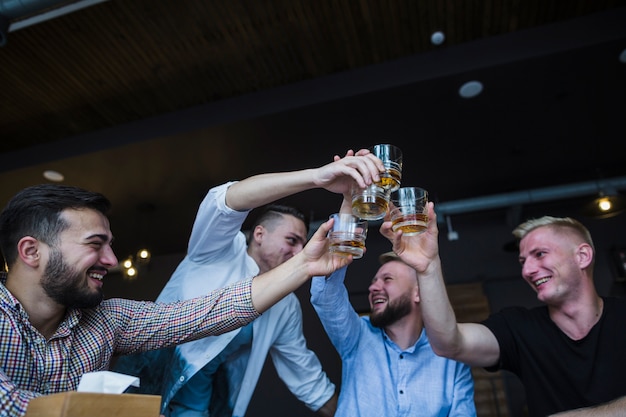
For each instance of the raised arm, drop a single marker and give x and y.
(471, 343)
(336, 177)
(314, 259)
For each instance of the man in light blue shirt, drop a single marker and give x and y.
(388, 366)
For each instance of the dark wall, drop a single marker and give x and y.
(477, 256)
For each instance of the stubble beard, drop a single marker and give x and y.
(392, 313)
(68, 287)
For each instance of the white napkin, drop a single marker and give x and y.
(106, 382)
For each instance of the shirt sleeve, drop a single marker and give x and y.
(144, 325)
(13, 401)
(298, 366)
(331, 302)
(463, 400)
(215, 225)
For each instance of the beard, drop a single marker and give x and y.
(68, 287)
(392, 313)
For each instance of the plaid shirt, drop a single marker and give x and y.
(87, 339)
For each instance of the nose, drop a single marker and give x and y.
(108, 257)
(529, 268)
(374, 286)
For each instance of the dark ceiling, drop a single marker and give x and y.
(152, 102)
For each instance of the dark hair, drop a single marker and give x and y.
(272, 212)
(36, 211)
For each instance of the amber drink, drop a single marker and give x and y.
(347, 237)
(409, 210)
(391, 156)
(390, 179)
(370, 203)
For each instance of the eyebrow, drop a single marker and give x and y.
(101, 236)
(298, 237)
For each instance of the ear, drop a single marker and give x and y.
(28, 251)
(584, 255)
(257, 233)
(416, 294)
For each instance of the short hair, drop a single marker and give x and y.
(555, 223)
(269, 213)
(389, 256)
(36, 211)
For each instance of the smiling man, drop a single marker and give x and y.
(55, 325)
(388, 365)
(569, 353)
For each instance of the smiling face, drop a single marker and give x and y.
(553, 262)
(393, 293)
(277, 241)
(76, 265)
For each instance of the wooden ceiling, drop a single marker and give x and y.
(151, 102)
(122, 61)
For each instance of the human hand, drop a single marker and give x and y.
(338, 176)
(420, 250)
(319, 260)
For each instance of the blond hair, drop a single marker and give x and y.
(557, 224)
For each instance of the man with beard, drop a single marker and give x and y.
(388, 366)
(55, 326)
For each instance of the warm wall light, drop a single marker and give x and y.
(143, 256)
(605, 206)
(127, 263)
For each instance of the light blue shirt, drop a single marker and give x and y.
(380, 379)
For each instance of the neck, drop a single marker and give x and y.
(576, 319)
(405, 332)
(43, 313)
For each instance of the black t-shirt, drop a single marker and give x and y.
(559, 373)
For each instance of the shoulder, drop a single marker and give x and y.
(513, 319)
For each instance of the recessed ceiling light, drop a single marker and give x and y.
(471, 89)
(437, 38)
(51, 175)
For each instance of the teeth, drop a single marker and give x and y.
(541, 281)
(96, 276)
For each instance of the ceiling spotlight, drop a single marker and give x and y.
(54, 176)
(471, 89)
(605, 206)
(437, 38)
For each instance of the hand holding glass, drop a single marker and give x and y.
(370, 203)
(409, 210)
(347, 237)
(391, 156)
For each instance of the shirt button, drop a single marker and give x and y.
(401, 391)
(182, 378)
